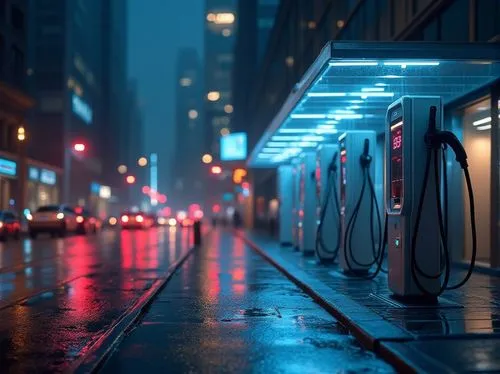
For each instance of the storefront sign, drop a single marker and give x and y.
(7, 167)
(105, 192)
(82, 109)
(48, 177)
(34, 174)
(95, 188)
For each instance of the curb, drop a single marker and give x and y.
(98, 352)
(359, 329)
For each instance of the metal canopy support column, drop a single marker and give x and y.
(495, 178)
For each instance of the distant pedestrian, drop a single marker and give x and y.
(237, 219)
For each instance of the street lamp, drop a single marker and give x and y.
(122, 169)
(143, 161)
(206, 159)
(130, 179)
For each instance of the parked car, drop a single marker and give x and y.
(52, 219)
(87, 222)
(10, 225)
(135, 220)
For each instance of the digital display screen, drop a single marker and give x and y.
(233, 147)
(396, 162)
(343, 174)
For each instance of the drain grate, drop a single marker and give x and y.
(442, 303)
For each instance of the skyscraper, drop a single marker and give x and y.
(189, 144)
(255, 22)
(77, 59)
(220, 27)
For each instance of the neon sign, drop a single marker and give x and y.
(82, 109)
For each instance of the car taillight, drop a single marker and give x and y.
(124, 218)
(79, 219)
(139, 218)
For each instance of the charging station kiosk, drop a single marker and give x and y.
(327, 199)
(285, 185)
(406, 126)
(295, 202)
(356, 248)
(307, 203)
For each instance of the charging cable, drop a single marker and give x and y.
(378, 249)
(331, 199)
(437, 141)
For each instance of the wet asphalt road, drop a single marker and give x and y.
(226, 310)
(58, 296)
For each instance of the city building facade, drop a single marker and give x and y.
(14, 105)
(77, 76)
(220, 34)
(187, 169)
(303, 27)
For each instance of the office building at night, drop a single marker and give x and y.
(14, 104)
(220, 28)
(189, 144)
(77, 58)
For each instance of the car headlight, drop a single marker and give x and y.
(29, 217)
(60, 215)
(1, 225)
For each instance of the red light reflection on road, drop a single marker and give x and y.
(238, 273)
(83, 290)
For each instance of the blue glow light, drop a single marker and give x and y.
(308, 116)
(354, 63)
(372, 89)
(326, 94)
(404, 64)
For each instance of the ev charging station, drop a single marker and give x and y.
(406, 149)
(327, 199)
(307, 203)
(357, 253)
(285, 185)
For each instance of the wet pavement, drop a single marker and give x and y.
(228, 310)
(58, 296)
(434, 339)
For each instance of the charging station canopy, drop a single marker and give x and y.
(351, 84)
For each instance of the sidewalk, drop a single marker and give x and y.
(461, 335)
(229, 310)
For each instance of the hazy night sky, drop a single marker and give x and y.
(157, 29)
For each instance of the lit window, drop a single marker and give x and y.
(340, 23)
(192, 114)
(228, 108)
(311, 25)
(226, 32)
(213, 95)
(221, 18)
(185, 82)
(289, 61)
(224, 131)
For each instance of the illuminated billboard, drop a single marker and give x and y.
(233, 147)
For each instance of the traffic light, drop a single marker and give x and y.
(79, 147)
